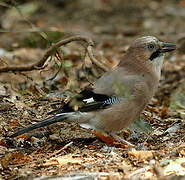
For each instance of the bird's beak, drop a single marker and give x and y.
(167, 47)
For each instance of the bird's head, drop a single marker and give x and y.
(149, 52)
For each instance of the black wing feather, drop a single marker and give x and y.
(99, 103)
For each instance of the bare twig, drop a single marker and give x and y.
(59, 58)
(51, 51)
(94, 60)
(139, 171)
(55, 75)
(84, 65)
(60, 150)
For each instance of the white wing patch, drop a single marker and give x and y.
(89, 100)
(86, 126)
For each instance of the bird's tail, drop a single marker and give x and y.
(46, 122)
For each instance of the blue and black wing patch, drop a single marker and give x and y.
(98, 105)
(111, 100)
(97, 102)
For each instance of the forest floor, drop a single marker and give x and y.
(64, 149)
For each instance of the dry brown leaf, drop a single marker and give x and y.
(16, 158)
(13, 123)
(62, 160)
(6, 159)
(141, 155)
(20, 158)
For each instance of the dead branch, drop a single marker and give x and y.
(94, 60)
(51, 51)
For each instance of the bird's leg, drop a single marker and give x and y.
(111, 139)
(107, 139)
(121, 140)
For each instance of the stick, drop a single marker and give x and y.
(51, 51)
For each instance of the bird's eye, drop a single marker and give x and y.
(151, 46)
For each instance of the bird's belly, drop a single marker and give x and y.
(118, 122)
(117, 118)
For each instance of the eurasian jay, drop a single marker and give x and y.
(120, 95)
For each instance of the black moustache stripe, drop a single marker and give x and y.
(155, 55)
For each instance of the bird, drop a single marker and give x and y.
(118, 97)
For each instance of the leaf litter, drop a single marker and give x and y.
(66, 150)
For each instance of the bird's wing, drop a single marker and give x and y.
(104, 93)
(119, 76)
(89, 101)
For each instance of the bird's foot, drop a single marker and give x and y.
(113, 140)
(121, 140)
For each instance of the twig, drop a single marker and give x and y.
(56, 152)
(94, 60)
(139, 171)
(59, 57)
(84, 65)
(55, 75)
(52, 50)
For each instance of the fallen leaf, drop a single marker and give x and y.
(6, 159)
(141, 155)
(62, 160)
(20, 158)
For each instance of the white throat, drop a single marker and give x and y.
(158, 63)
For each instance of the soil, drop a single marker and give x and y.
(65, 150)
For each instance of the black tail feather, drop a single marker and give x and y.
(43, 123)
